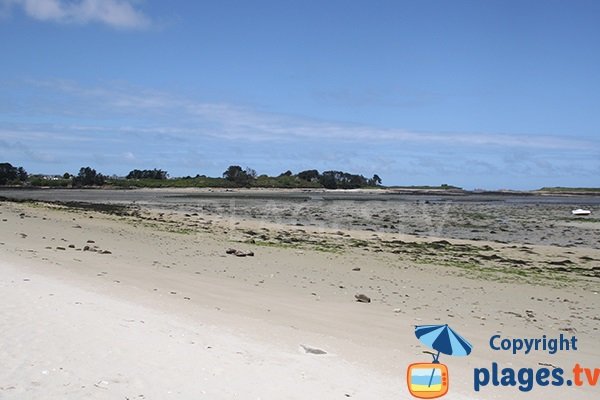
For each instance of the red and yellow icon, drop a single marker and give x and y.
(427, 380)
(431, 380)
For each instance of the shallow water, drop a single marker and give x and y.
(523, 219)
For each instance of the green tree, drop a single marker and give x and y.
(8, 173)
(22, 174)
(233, 173)
(311, 175)
(12, 175)
(342, 180)
(375, 180)
(328, 180)
(239, 176)
(250, 173)
(147, 174)
(88, 177)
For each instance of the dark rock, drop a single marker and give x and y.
(362, 298)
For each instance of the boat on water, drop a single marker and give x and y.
(580, 212)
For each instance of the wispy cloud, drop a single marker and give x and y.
(119, 127)
(121, 14)
(171, 114)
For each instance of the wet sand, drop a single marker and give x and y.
(505, 218)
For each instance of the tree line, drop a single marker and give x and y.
(327, 179)
(233, 176)
(147, 174)
(10, 175)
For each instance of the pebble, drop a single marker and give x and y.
(362, 298)
(312, 350)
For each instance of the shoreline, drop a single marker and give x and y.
(545, 221)
(416, 191)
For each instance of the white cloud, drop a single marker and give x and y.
(185, 118)
(115, 13)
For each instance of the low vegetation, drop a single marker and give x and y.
(233, 177)
(567, 190)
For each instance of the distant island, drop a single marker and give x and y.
(233, 177)
(567, 190)
(237, 177)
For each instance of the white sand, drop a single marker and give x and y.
(62, 342)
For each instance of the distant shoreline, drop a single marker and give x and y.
(392, 190)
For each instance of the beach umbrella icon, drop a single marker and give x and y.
(443, 339)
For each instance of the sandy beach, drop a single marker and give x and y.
(140, 300)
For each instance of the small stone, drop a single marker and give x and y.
(312, 350)
(231, 251)
(356, 269)
(362, 298)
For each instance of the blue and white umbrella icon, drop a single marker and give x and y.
(443, 339)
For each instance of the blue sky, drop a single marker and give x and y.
(480, 94)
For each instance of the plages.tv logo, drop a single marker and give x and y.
(431, 380)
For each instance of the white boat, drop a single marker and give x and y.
(581, 211)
